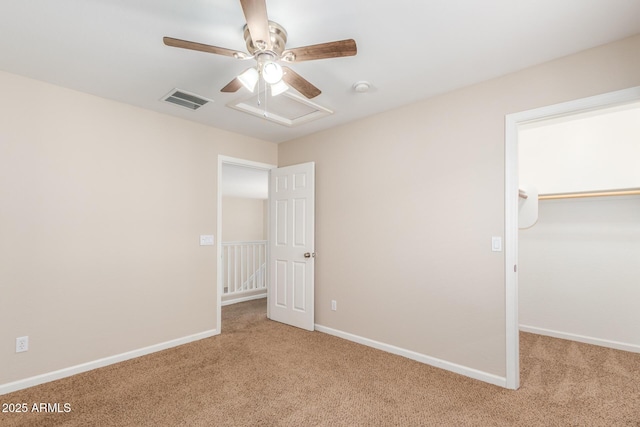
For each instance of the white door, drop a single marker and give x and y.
(291, 245)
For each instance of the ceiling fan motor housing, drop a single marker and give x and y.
(278, 36)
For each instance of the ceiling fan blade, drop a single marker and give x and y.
(321, 51)
(255, 12)
(184, 44)
(299, 83)
(232, 86)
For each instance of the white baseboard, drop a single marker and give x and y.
(409, 354)
(243, 299)
(581, 338)
(77, 369)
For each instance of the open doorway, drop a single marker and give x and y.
(514, 123)
(242, 231)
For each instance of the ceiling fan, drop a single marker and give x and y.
(266, 42)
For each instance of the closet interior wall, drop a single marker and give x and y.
(579, 264)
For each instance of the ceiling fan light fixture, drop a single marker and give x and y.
(249, 78)
(272, 72)
(278, 88)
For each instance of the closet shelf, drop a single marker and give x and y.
(623, 192)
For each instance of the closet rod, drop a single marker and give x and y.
(625, 192)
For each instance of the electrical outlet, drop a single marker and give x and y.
(334, 305)
(22, 344)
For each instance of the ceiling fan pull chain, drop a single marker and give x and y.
(266, 88)
(259, 91)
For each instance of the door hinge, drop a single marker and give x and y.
(515, 268)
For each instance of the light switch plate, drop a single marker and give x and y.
(496, 244)
(207, 240)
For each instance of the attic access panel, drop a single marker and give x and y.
(287, 109)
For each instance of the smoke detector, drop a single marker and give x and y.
(361, 86)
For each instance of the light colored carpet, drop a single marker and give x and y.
(262, 373)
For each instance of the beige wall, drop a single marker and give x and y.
(407, 202)
(243, 219)
(101, 208)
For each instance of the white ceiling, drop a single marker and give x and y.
(408, 49)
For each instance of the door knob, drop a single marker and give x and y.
(309, 254)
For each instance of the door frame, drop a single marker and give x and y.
(512, 122)
(236, 162)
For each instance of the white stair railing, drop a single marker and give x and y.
(244, 266)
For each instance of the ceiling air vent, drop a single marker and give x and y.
(185, 99)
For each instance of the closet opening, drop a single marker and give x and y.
(572, 200)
